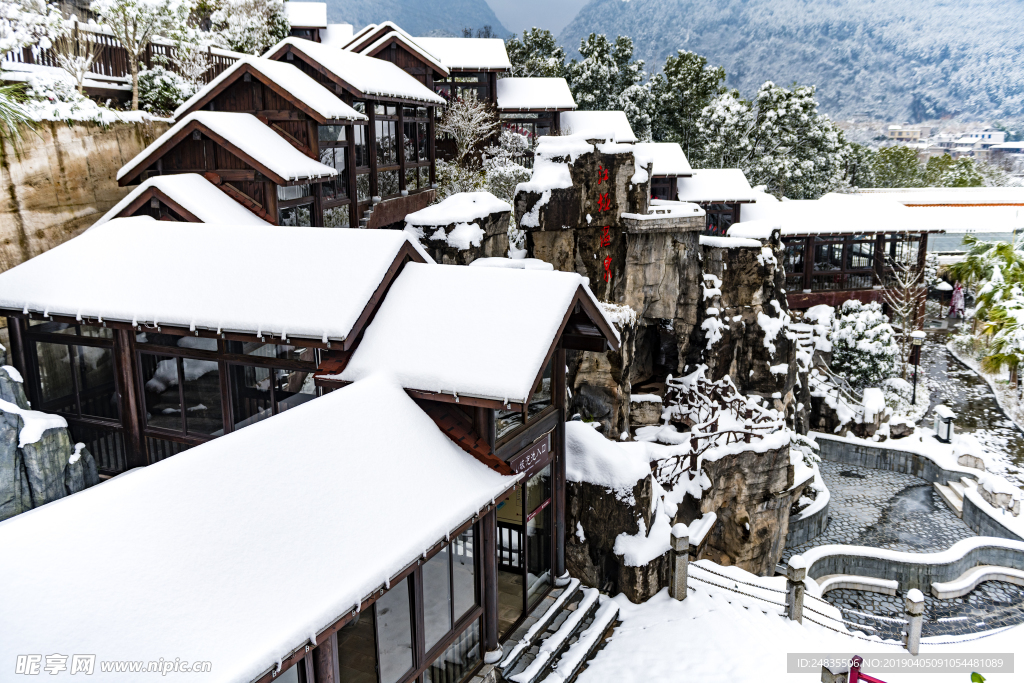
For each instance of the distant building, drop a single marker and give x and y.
(908, 133)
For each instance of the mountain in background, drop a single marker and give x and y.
(889, 60)
(418, 17)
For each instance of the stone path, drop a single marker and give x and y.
(882, 509)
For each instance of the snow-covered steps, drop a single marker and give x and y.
(970, 579)
(534, 627)
(952, 494)
(572, 634)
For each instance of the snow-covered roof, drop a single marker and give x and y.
(336, 35)
(534, 94)
(955, 196)
(368, 75)
(285, 76)
(835, 214)
(306, 14)
(492, 345)
(195, 194)
(468, 54)
(360, 34)
(597, 125)
(248, 134)
(715, 185)
(410, 44)
(668, 157)
(462, 207)
(103, 273)
(221, 552)
(1011, 146)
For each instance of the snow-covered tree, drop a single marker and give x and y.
(250, 26)
(683, 89)
(609, 79)
(25, 23)
(135, 22)
(162, 91)
(905, 296)
(470, 122)
(503, 172)
(860, 167)
(897, 167)
(779, 140)
(864, 348)
(1005, 326)
(537, 54)
(75, 51)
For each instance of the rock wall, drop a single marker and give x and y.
(60, 179)
(462, 243)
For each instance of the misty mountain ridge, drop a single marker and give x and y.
(419, 17)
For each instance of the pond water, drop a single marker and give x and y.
(969, 396)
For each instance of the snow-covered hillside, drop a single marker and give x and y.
(895, 60)
(419, 17)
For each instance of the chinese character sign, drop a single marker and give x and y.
(604, 204)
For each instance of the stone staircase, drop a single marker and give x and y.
(560, 637)
(952, 493)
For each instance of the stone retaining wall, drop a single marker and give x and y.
(984, 524)
(881, 458)
(806, 529)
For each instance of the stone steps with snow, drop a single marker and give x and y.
(534, 627)
(576, 617)
(581, 649)
(951, 497)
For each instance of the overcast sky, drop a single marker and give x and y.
(519, 15)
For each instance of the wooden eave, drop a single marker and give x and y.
(533, 110)
(247, 68)
(866, 231)
(702, 202)
(150, 193)
(186, 131)
(459, 428)
(674, 175)
(475, 70)
(414, 49)
(342, 83)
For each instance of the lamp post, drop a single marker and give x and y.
(916, 339)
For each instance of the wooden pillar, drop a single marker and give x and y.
(879, 260)
(558, 389)
(326, 667)
(400, 139)
(350, 168)
(371, 146)
(131, 411)
(17, 355)
(809, 262)
(433, 149)
(489, 564)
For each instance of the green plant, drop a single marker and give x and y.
(162, 91)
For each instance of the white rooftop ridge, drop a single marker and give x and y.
(495, 353)
(835, 214)
(533, 94)
(306, 14)
(252, 136)
(195, 194)
(368, 75)
(597, 125)
(215, 545)
(291, 79)
(468, 53)
(938, 196)
(100, 274)
(715, 185)
(669, 159)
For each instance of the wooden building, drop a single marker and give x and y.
(307, 19)
(670, 164)
(145, 372)
(188, 197)
(531, 106)
(597, 125)
(720, 192)
(390, 42)
(389, 157)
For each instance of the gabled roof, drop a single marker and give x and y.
(336, 35)
(189, 194)
(469, 54)
(372, 33)
(709, 185)
(669, 160)
(952, 196)
(286, 80)
(597, 125)
(243, 135)
(403, 39)
(534, 94)
(306, 14)
(478, 348)
(834, 214)
(213, 552)
(360, 35)
(363, 76)
(107, 272)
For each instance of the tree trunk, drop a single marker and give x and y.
(133, 61)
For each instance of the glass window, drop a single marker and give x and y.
(291, 675)
(332, 133)
(424, 176)
(250, 394)
(201, 390)
(541, 397)
(97, 387)
(96, 331)
(828, 255)
(860, 255)
(506, 421)
(300, 216)
(458, 660)
(359, 107)
(538, 534)
(424, 141)
(409, 143)
(387, 144)
(437, 603)
(293, 388)
(337, 187)
(286, 351)
(288, 192)
(464, 573)
(357, 651)
(394, 633)
(56, 385)
(411, 178)
(362, 148)
(363, 187)
(336, 217)
(387, 183)
(794, 257)
(160, 380)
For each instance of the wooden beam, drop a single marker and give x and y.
(131, 409)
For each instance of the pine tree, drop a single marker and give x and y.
(536, 55)
(864, 348)
(250, 26)
(683, 89)
(897, 167)
(609, 79)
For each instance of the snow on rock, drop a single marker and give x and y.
(700, 527)
(13, 373)
(593, 459)
(36, 422)
(515, 263)
(190, 535)
(621, 315)
(462, 207)
(729, 242)
(641, 548)
(772, 327)
(462, 237)
(758, 230)
(874, 403)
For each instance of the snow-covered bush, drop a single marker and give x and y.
(250, 26)
(864, 348)
(503, 173)
(470, 122)
(162, 91)
(453, 179)
(806, 447)
(26, 23)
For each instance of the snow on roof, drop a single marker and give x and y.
(288, 77)
(939, 196)
(409, 43)
(336, 35)
(597, 125)
(368, 75)
(534, 94)
(479, 348)
(715, 185)
(249, 134)
(462, 207)
(214, 552)
(468, 53)
(361, 33)
(1010, 146)
(195, 194)
(668, 157)
(835, 214)
(306, 14)
(101, 273)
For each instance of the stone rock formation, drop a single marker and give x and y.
(462, 228)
